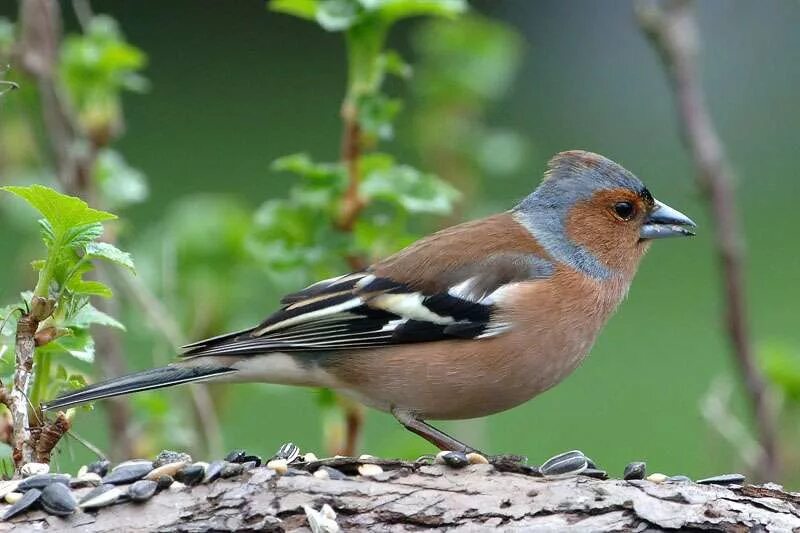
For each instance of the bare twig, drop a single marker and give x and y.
(672, 28)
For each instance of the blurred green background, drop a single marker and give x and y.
(234, 86)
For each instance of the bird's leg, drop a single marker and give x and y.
(438, 438)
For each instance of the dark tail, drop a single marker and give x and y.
(140, 381)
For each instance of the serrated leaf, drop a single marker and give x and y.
(82, 235)
(407, 187)
(305, 9)
(62, 212)
(88, 315)
(376, 113)
(38, 264)
(109, 252)
(89, 287)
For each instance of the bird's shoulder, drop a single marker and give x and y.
(496, 246)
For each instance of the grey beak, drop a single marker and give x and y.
(663, 221)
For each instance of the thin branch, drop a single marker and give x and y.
(352, 203)
(672, 29)
(18, 397)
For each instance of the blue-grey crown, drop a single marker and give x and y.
(571, 177)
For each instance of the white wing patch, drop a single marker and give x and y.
(409, 305)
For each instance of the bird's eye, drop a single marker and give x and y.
(624, 210)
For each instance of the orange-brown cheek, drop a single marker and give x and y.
(613, 242)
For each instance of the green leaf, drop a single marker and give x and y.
(109, 252)
(89, 288)
(83, 235)
(376, 113)
(79, 344)
(63, 213)
(781, 364)
(393, 10)
(88, 315)
(405, 186)
(305, 9)
(393, 63)
(322, 174)
(120, 183)
(337, 15)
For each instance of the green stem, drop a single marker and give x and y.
(364, 46)
(41, 375)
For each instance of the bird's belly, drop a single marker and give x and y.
(457, 380)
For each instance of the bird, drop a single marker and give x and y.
(469, 321)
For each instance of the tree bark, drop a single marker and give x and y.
(477, 498)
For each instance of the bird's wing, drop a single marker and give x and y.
(364, 310)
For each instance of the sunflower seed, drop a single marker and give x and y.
(326, 472)
(89, 479)
(13, 497)
(236, 456)
(635, 470)
(565, 464)
(657, 477)
(595, 473)
(128, 472)
(165, 482)
(455, 459)
(166, 457)
(102, 496)
(369, 470)
(252, 459)
(26, 501)
(475, 458)
(8, 486)
(40, 481)
(99, 467)
(168, 469)
(679, 479)
(190, 474)
(287, 452)
(58, 500)
(322, 521)
(213, 471)
(33, 469)
(231, 470)
(280, 466)
(142, 490)
(724, 479)
(310, 457)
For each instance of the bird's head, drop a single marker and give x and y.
(596, 216)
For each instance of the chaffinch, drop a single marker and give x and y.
(472, 320)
